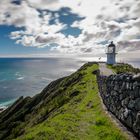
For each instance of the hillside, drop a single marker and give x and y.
(68, 108)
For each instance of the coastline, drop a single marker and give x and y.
(6, 104)
(2, 109)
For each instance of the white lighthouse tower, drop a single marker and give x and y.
(111, 53)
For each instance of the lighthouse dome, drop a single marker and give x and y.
(111, 44)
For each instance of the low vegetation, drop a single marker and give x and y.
(124, 68)
(67, 109)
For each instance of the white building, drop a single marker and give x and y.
(111, 53)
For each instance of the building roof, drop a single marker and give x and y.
(111, 44)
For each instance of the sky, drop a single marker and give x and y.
(41, 28)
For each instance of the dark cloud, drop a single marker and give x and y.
(45, 39)
(17, 2)
(131, 45)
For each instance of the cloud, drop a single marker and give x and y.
(130, 45)
(118, 21)
(99, 22)
(16, 34)
(27, 40)
(18, 15)
(44, 4)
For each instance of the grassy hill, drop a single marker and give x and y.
(67, 109)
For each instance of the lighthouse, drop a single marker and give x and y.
(111, 53)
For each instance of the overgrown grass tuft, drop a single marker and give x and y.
(124, 68)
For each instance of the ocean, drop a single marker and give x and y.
(28, 76)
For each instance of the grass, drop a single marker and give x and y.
(124, 68)
(80, 116)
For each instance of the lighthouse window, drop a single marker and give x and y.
(110, 50)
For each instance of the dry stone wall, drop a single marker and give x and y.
(121, 95)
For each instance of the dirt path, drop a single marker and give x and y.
(104, 70)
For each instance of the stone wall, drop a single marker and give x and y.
(121, 95)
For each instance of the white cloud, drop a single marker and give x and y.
(16, 34)
(118, 21)
(28, 40)
(44, 4)
(103, 21)
(18, 15)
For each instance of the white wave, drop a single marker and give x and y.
(20, 78)
(45, 78)
(5, 87)
(71, 70)
(2, 108)
(17, 74)
(5, 104)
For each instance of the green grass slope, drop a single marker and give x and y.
(67, 109)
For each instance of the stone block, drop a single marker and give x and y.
(136, 125)
(129, 121)
(126, 112)
(136, 77)
(125, 102)
(137, 104)
(131, 104)
(131, 94)
(123, 86)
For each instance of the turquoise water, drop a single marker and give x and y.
(5, 104)
(28, 76)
